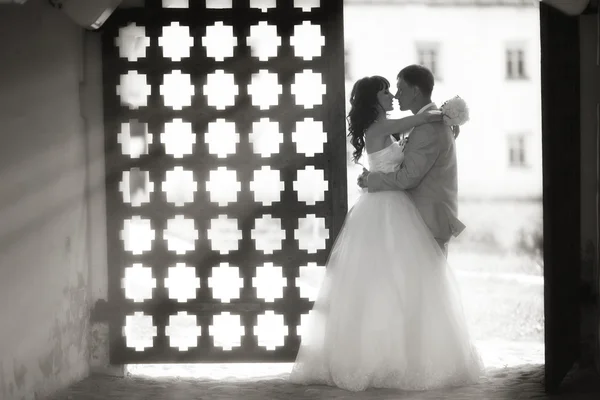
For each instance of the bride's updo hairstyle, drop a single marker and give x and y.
(364, 109)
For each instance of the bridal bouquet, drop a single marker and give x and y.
(455, 111)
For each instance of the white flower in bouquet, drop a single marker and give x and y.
(455, 111)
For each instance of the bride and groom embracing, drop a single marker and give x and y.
(389, 313)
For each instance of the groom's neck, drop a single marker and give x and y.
(418, 104)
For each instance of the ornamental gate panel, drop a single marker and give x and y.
(226, 174)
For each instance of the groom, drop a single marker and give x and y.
(428, 172)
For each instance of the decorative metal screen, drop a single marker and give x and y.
(226, 174)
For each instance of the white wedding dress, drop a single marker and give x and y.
(389, 313)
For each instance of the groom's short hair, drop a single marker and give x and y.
(419, 76)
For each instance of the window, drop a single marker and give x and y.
(517, 152)
(428, 56)
(515, 63)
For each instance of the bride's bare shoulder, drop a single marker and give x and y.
(376, 128)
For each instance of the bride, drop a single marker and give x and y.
(389, 313)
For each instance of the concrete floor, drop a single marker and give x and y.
(523, 382)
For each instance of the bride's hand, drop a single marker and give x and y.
(455, 130)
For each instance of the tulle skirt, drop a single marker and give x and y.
(389, 313)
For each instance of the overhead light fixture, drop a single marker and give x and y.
(90, 14)
(569, 7)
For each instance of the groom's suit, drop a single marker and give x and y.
(429, 174)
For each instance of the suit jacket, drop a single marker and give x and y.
(429, 175)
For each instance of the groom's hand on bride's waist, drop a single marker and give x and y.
(363, 178)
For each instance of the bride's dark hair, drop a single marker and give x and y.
(363, 110)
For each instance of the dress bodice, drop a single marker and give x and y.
(387, 159)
